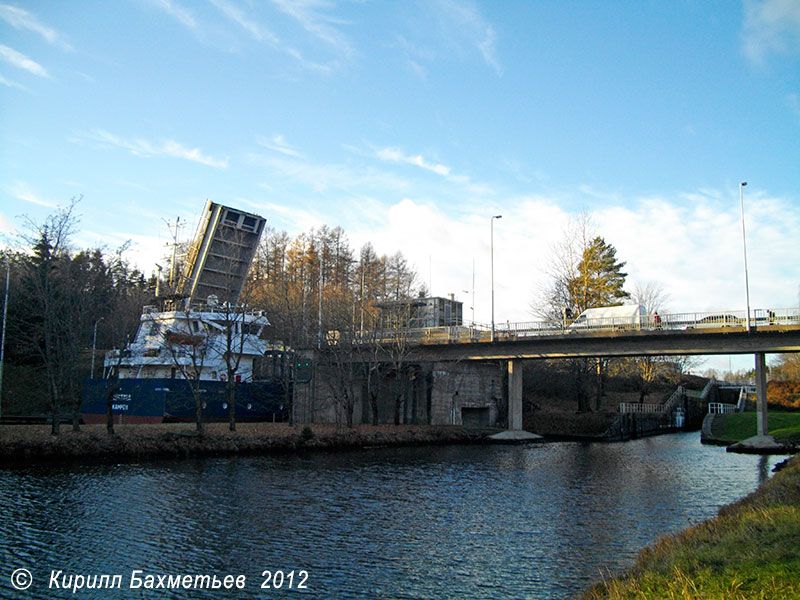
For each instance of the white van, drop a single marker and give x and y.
(627, 316)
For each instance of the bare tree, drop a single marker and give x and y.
(652, 296)
(562, 269)
(189, 344)
(54, 307)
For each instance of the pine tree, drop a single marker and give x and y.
(599, 279)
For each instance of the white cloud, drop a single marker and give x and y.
(771, 26)
(20, 61)
(322, 177)
(279, 144)
(462, 23)
(177, 12)
(23, 191)
(6, 226)
(695, 251)
(12, 84)
(250, 25)
(396, 156)
(312, 16)
(144, 148)
(22, 19)
(691, 249)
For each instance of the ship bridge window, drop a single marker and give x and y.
(232, 217)
(249, 223)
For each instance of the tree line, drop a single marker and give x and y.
(63, 302)
(316, 283)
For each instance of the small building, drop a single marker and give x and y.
(433, 311)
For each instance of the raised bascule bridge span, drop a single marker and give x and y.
(707, 333)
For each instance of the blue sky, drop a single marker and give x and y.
(410, 123)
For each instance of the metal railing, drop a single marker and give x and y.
(721, 408)
(676, 397)
(510, 331)
(666, 407)
(635, 407)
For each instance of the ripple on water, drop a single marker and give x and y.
(490, 522)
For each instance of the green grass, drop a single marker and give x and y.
(750, 551)
(781, 425)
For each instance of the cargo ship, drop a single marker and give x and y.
(198, 341)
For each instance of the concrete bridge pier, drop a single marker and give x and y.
(761, 395)
(515, 434)
(761, 442)
(515, 395)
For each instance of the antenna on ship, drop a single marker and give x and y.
(173, 227)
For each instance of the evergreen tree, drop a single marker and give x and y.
(599, 279)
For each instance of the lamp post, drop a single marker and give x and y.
(3, 340)
(473, 292)
(491, 250)
(744, 249)
(94, 344)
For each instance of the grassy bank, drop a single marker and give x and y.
(751, 550)
(22, 443)
(783, 426)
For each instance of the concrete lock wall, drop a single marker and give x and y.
(446, 393)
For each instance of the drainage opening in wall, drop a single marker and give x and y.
(475, 416)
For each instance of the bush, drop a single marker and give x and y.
(307, 434)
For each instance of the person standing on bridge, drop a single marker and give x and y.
(657, 320)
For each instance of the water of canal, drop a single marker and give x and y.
(535, 521)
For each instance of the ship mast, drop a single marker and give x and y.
(173, 228)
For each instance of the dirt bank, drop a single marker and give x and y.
(25, 443)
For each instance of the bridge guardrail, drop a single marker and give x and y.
(505, 331)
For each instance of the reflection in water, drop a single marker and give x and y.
(471, 522)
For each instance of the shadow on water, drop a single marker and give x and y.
(538, 521)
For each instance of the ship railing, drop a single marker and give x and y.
(205, 307)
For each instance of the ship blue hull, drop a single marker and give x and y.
(171, 400)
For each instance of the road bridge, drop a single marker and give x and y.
(719, 332)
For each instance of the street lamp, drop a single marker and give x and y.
(491, 250)
(744, 249)
(3, 341)
(94, 344)
(473, 292)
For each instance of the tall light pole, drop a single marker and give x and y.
(491, 250)
(3, 340)
(473, 292)
(744, 249)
